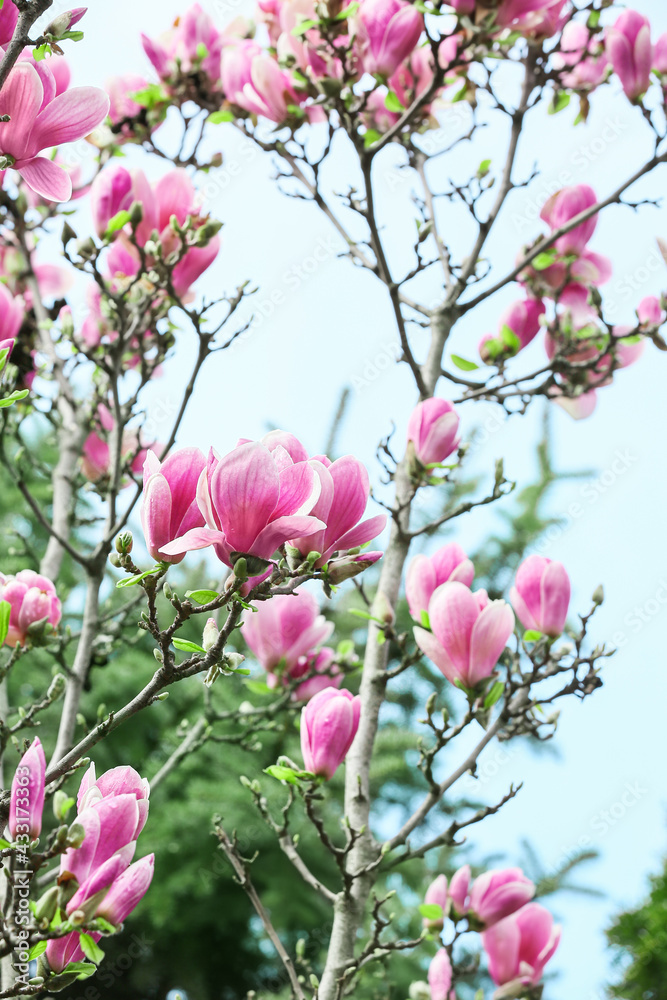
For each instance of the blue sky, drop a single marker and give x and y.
(322, 324)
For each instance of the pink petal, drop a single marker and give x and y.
(453, 611)
(489, 637)
(430, 647)
(46, 178)
(196, 538)
(20, 98)
(69, 117)
(278, 532)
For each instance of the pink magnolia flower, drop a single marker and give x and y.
(329, 723)
(253, 80)
(459, 887)
(415, 75)
(582, 60)
(38, 120)
(351, 564)
(253, 500)
(26, 803)
(123, 780)
(426, 573)
(541, 595)
(170, 506)
(520, 946)
(469, 633)
(630, 52)
(282, 631)
(499, 892)
(194, 42)
(650, 311)
(387, 31)
(127, 891)
(535, 18)
(111, 827)
(565, 205)
(6, 345)
(33, 599)
(433, 429)
(9, 15)
(325, 673)
(123, 107)
(116, 189)
(313, 55)
(12, 312)
(96, 457)
(340, 506)
(436, 895)
(522, 320)
(660, 55)
(578, 407)
(54, 72)
(440, 976)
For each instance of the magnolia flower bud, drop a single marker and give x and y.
(210, 636)
(65, 21)
(75, 835)
(382, 609)
(419, 991)
(46, 906)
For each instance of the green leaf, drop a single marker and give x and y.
(494, 695)
(392, 103)
(119, 220)
(510, 339)
(37, 950)
(14, 398)
(431, 911)
(593, 19)
(371, 136)
(187, 647)
(134, 580)
(358, 613)
(483, 168)
(218, 117)
(532, 635)
(202, 596)
(81, 969)
(282, 773)
(347, 12)
(425, 620)
(560, 102)
(40, 52)
(463, 364)
(258, 687)
(304, 26)
(149, 96)
(4, 843)
(545, 259)
(91, 949)
(202, 51)
(5, 611)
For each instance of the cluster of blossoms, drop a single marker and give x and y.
(261, 496)
(33, 604)
(461, 630)
(585, 352)
(518, 936)
(96, 879)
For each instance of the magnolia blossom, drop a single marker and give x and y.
(459, 887)
(535, 18)
(582, 60)
(578, 407)
(436, 895)
(124, 109)
(12, 312)
(433, 430)
(170, 505)
(26, 803)
(426, 573)
(253, 80)
(386, 32)
(518, 326)
(9, 14)
(112, 810)
(341, 504)
(329, 723)
(253, 500)
(564, 206)
(541, 595)
(499, 892)
(116, 189)
(38, 119)
(96, 453)
(193, 43)
(650, 311)
(468, 635)
(285, 633)
(630, 52)
(440, 976)
(520, 946)
(33, 599)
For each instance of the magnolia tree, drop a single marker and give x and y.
(290, 531)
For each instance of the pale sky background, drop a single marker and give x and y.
(333, 327)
